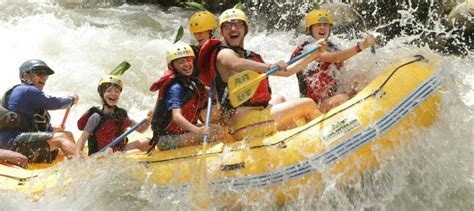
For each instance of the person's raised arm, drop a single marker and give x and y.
(343, 55)
(302, 63)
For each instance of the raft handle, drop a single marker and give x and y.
(379, 93)
(231, 167)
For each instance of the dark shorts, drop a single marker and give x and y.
(35, 146)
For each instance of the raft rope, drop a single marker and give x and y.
(281, 143)
(20, 179)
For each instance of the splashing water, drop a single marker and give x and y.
(83, 43)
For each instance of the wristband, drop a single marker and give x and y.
(357, 48)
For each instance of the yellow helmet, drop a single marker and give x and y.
(202, 21)
(318, 16)
(233, 14)
(178, 50)
(113, 79)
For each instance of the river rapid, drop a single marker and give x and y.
(82, 44)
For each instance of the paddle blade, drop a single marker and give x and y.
(200, 194)
(242, 86)
(239, 6)
(120, 69)
(195, 5)
(179, 34)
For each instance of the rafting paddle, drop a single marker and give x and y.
(242, 86)
(63, 123)
(111, 144)
(201, 185)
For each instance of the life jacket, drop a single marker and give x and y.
(19, 122)
(111, 126)
(196, 50)
(316, 81)
(208, 68)
(194, 100)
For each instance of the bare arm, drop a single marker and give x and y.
(13, 157)
(229, 60)
(302, 63)
(343, 55)
(179, 119)
(81, 142)
(145, 126)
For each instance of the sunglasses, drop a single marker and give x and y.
(40, 73)
(237, 25)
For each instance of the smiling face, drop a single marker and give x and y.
(183, 65)
(233, 33)
(112, 95)
(37, 78)
(320, 30)
(202, 37)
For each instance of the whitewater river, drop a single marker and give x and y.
(84, 44)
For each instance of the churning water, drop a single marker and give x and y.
(82, 44)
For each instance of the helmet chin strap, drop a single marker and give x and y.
(26, 81)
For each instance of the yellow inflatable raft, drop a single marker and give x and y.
(348, 140)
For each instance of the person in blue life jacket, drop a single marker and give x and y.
(36, 138)
(181, 103)
(12, 120)
(102, 125)
(317, 80)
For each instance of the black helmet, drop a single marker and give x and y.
(32, 65)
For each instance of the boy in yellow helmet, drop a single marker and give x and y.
(202, 25)
(316, 81)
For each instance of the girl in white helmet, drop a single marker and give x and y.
(102, 125)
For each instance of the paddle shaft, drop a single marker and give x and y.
(63, 123)
(201, 189)
(209, 108)
(124, 135)
(295, 59)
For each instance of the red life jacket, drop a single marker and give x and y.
(194, 100)
(111, 126)
(317, 83)
(208, 70)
